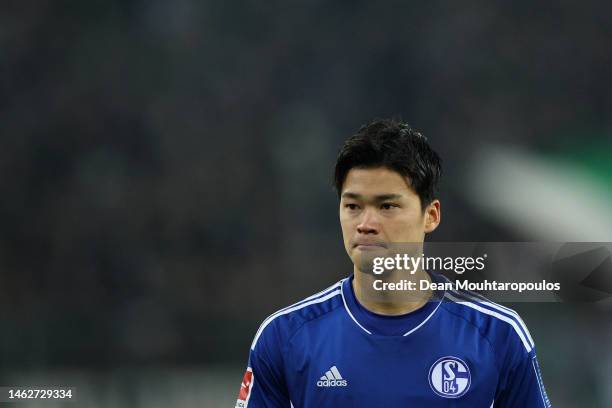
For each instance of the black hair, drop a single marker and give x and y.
(395, 145)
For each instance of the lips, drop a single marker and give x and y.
(369, 244)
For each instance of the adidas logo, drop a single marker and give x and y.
(332, 378)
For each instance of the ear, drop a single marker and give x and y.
(432, 216)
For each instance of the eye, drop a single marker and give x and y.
(351, 206)
(388, 206)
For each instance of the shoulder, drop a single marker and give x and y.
(502, 326)
(287, 321)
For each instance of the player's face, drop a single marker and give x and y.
(378, 208)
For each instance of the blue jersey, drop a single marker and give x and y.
(459, 350)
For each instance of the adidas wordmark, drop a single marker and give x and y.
(332, 378)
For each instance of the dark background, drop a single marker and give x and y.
(166, 172)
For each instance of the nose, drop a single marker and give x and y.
(368, 223)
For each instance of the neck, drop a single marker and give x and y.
(391, 302)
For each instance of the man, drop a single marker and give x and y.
(352, 345)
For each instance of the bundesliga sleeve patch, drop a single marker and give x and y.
(245, 388)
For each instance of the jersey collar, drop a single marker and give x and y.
(377, 324)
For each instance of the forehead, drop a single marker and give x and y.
(375, 181)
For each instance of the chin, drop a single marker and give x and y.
(364, 262)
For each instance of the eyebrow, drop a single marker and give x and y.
(380, 197)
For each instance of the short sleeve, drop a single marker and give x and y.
(522, 385)
(263, 384)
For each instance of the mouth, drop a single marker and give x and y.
(369, 245)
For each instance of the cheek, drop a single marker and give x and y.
(347, 231)
(405, 229)
(346, 222)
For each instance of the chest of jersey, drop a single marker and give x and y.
(348, 367)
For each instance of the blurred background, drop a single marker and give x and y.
(166, 173)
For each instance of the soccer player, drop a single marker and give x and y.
(353, 346)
